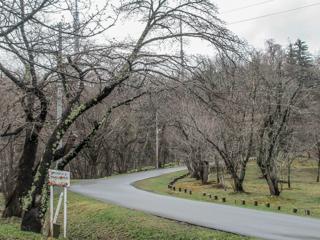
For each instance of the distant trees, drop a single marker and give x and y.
(127, 105)
(46, 54)
(125, 142)
(313, 119)
(254, 109)
(278, 95)
(227, 115)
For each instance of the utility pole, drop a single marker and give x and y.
(59, 103)
(76, 26)
(157, 140)
(76, 50)
(181, 51)
(59, 83)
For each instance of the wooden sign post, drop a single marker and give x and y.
(60, 179)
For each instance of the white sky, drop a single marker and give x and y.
(302, 23)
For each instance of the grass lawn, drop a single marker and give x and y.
(304, 194)
(91, 219)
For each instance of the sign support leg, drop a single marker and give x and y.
(51, 211)
(58, 208)
(65, 213)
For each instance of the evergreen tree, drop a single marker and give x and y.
(300, 63)
(301, 53)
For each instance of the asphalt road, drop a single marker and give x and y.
(264, 225)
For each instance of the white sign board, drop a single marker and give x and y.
(59, 178)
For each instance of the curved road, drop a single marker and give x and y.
(265, 225)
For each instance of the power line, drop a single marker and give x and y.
(245, 7)
(275, 13)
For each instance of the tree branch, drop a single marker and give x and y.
(93, 132)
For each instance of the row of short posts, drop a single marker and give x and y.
(172, 187)
(268, 205)
(215, 197)
(243, 202)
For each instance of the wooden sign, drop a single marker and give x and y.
(59, 178)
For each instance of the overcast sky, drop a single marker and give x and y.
(302, 23)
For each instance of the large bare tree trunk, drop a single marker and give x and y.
(13, 205)
(239, 180)
(289, 175)
(194, 168)
(273, 185)
(271, 178)
(36, 199)
(204, 172)
(238, 185)
(318, 175)
(272, 181)
(216, 160)
(195, 171)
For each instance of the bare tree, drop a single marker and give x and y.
(226, 120)
(12, 18)
(113, 65)
(33, 45)
(279, 93)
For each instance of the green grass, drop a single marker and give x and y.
(304, 194)
(9, 230)
(91, 219)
